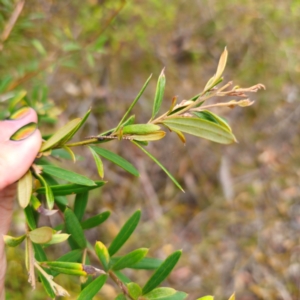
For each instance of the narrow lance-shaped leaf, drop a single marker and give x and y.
(72, 132)
(221, 67)
(98, 162)
(72, 256)
(71, 268)
(201, 128)
(48, 191)
(180, 135)
(147, 263)
(118, 160)
(25, 189)
(80, 204)
(58, 238)
(39, 47)
(102, 254)
(74, 228)
(69, 189)
(93, 288)
(70, 152)
(16, 99)
(162, 167)
(40, 255)
(130, 259)
(60, 134)
(140, 129)
(162, 272)
(165, 293)
(124, 233)
(222, 64)
(155, 136)
(67, 175)
(30, 217)
(159, 94)
(13, 241)
(95, 221)
(133, 103)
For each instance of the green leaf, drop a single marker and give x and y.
(74, 228)
(164, 293)
(25, 189)
(80, 204)
(161, 166)
(201, 128)
(133, 103)
(159, 94)
(60, 134)
(4, 82)
(134, 290)
(41, 235)
(98, 162)
(122, 277)
(140, 129)
(102, 254)
(209, 116)
(93, 288)
(71, 46)
(95, 221)
(13, 241)
(155, 136)
(176, 296)
(72, 133)
(162, 272)
(63, 267)
(60, 200)
(121, 297)
(221, 67)
(124, 233)
(71, 153)
(222, 64)
(30, 219)
(16, 99)
(72, 256)
(147, 263)
(58, 238)
(130, 259)
(39, 47)
(48, 191)
(69, 189)
(67, 175)
(207, 298)
(39, 253)
(118, 160)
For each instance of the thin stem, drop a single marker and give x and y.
(192, 105)
(121, 285)
(82, 143)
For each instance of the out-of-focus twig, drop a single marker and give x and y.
(43, 66)
(11, 23)
(59, 54)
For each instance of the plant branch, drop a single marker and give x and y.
(121, 285)
(11, 23)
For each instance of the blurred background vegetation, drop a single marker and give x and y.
(238, 222)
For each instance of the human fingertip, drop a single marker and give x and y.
(24, 132)
(20, 113)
